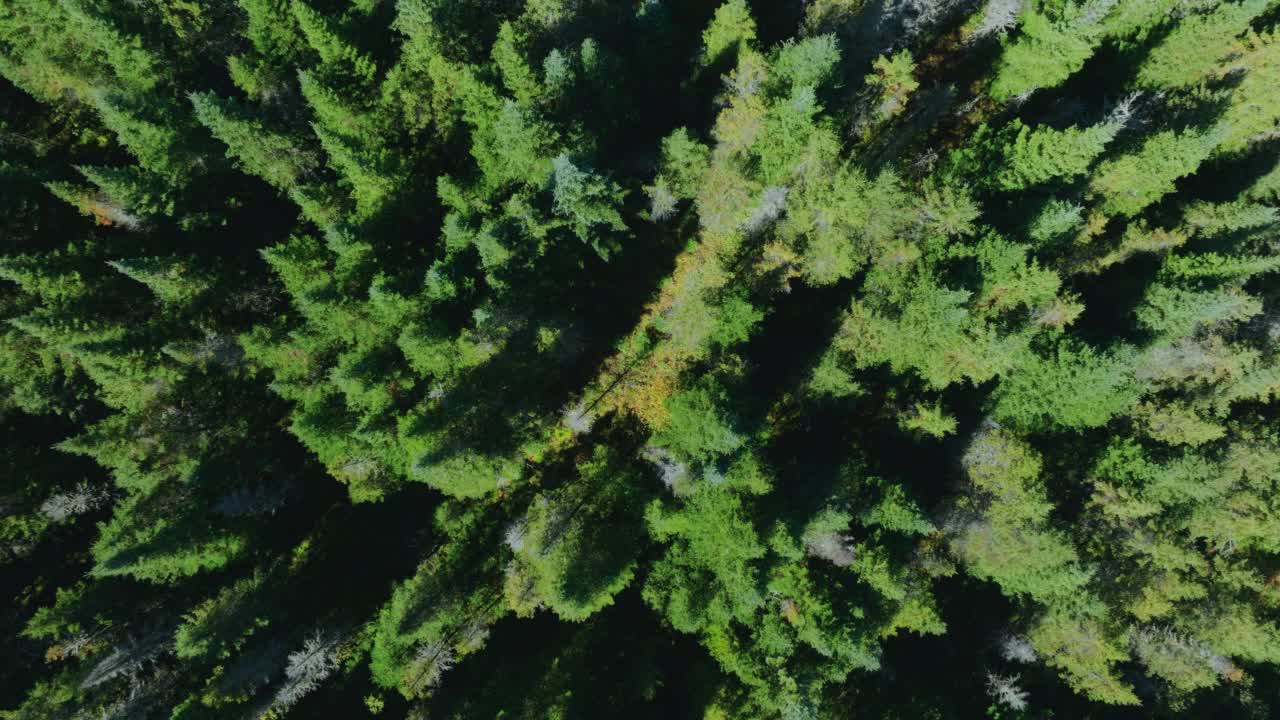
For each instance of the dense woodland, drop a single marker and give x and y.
(579, 359)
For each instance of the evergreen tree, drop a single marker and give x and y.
(558, 358)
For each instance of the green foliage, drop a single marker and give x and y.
(578, 547)
(894, 81)
(1177, 312)
(684, 160)
(1073, 387)
(731, 30)
(707, 576)
(1055, 220)
(810, 62)
(895, 511)
(928, 419)
(589, 202)
(1194, 47)
(1083, 649)
(1127, 184)
(935, 336)
(557, 359)
(699, 428)
(272, 156)
(173, 280)
(1036, 156)
(466, 474)
(1047, 51)
(433, 618)
(273, 29)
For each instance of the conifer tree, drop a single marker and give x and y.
(558, 358)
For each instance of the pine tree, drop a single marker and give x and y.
(531, 355)
(1044, 154)
(1194, 48)
(1127, 184)
(1048, 50)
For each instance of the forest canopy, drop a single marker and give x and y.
(691, 359)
